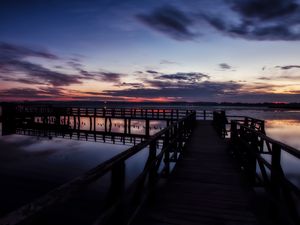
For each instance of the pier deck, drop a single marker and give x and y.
(205, 187)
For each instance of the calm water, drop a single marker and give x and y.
(30, 163)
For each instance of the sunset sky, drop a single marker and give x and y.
(150, 50)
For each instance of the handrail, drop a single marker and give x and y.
(249, 146)
(291, 150)
(174, 138)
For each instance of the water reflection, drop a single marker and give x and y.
(32, 166)
(45, 157)
(285, 130)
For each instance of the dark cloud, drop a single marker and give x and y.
(264, 9)
(32, 93)
(152, 72)
(109, 77)
(265, 78)
(75, 64)
(170, 21)
(188, 77)
(205, 90)
(288, 67)
(21, 80)
(15, 67)
(225, 66)
(131, 85)
(30, 72)
(139, 72)
(260, 20)
(19, 52)
(100, 76)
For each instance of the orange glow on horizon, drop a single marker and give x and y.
(160, 99)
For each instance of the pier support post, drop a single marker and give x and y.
(125, 126)
(129, 126)
(91, 123)
(94, 119)
(275, 171)
(147, 127)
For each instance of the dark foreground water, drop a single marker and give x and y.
(31, 166)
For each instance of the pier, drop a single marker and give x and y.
(196, 171)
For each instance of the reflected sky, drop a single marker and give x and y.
(32, 166)
(38, 163)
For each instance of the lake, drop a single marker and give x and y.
(30, 166)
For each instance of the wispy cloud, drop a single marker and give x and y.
(259, 20)
(33, 93)
(152, 72)
(191, 89)
(15, 67)
(12, 51)
(192, 77)
(246, 19)
(167, 62)
(225, 66)
(170, 21)
(130, 85)
(288, 67)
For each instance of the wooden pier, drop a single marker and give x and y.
(205, 187)
(216, 163)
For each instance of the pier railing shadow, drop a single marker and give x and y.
(122, 201)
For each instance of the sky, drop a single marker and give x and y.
(150, 50)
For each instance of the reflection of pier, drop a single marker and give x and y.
(88, 119)
(204, 188)
(94, 136)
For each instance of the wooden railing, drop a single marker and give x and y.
(162, 113)
(122, 199)
(133, 113)
(222, 123)
(204, 114)
(260, 158)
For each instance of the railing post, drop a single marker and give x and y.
(116, 190)
(147, 127)
(167, 152)
(251, 158)
(175, 144)
(246, 121)
(263, 127)
(152, 172)
(275, 170)
(125, 126)
(91, 124)
(78, 112)
(233, 131)
(95, 119)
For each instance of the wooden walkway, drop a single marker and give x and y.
(205, 187)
